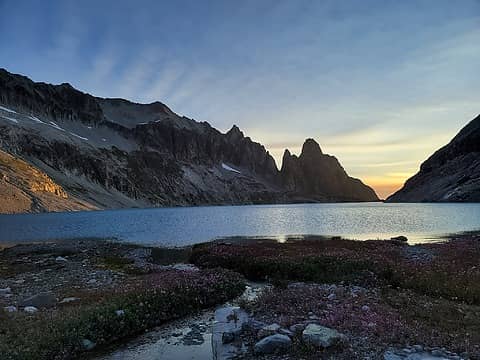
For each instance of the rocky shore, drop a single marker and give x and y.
(319, 298)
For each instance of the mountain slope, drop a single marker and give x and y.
(451, 174)
(23, 188)
(113, 153)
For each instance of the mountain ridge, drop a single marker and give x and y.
(450, 174)
(115, 153)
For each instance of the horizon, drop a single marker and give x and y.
(315, 63)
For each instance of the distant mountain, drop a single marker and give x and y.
(451, 174)
(320, 177)
(113, 153)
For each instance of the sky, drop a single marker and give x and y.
(380, 84)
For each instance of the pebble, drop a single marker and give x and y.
(61, 259)
(10, 308)
(120, 312)
(30, 309)
(88, 345)
(69, 299)
(5, 291)
(365, 308)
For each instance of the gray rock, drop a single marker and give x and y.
(297, 328)
(30, 309)
(69, 300)
(61, 259)
(332, 296)
(286, 332)
(228, 337)
(268, 330)
(277, 343)
(321, 336)
(10, 309)
(88, 344)
(41, 300)
(6, 290)
(120, 312)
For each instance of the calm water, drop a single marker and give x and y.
(181, 226)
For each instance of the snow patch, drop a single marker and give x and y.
(10, 119)
(226, 167)
(52, 124)
(34, 118)
(78, 136)
(7, 110)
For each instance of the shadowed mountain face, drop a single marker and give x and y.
(112, 153)
(451, 174)
(321, 177)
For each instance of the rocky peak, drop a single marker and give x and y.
(310, 149)
(321, 177)
(235, 133)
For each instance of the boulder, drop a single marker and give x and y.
(321, 336)
(41, 300)
(268, 330)
(273, 344)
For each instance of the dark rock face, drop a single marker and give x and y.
(113, 153)
(321, 177)
(451, 174)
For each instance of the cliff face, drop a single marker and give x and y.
(321, 177)
(451, 174)
(113, 153)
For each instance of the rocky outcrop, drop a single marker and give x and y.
(112, 153)
(314, 175)
(451, 174)
(24, 188)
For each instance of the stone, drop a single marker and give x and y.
(5, 291)
(268, 330)
(228, 337)
(30, 309)
(120, 312)
(399, 238)
(61, 259)
(297, 328)
(40, 300)
(277, 343)
(365, 308)
(69, 300)
(286, 332)
(321, 336)
(10, 309)
(88, 344)
(332, 296)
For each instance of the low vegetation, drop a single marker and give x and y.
(107, 317)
